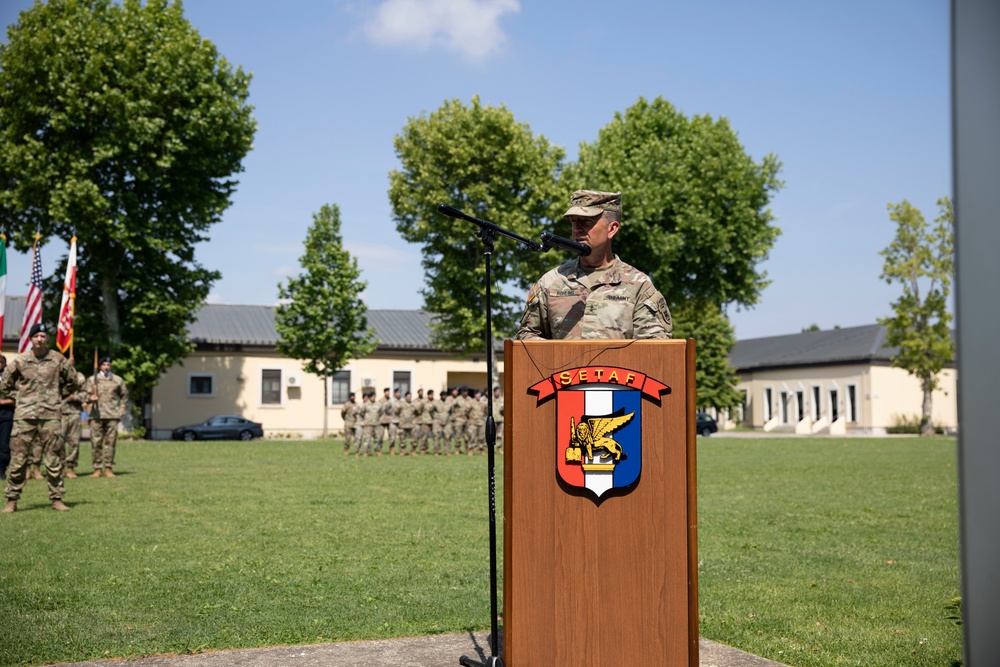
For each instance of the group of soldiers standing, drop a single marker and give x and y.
(404, 425)
(42, 397)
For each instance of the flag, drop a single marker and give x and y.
(33, 304)
(64, 334)
(3, 283)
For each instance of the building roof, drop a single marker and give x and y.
(864, 344)
(218, 324)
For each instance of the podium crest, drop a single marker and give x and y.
(599, 425)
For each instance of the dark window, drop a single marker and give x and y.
(401, 381)
(200, 385)
(768, 405)
(784, 407)
(800, 400)
(270, 387)
(852, 403)
(834, 406)
(816, 404)
(340, 387)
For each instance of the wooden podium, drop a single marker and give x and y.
(600, 554)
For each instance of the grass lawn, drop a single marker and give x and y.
(813, 551)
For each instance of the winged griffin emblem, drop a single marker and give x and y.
(594, 434)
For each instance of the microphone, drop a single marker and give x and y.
(551, 240)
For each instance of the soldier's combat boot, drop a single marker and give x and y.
(97, 473)
(10, 507)
(70, 474)
(108, 473)
(58, 506)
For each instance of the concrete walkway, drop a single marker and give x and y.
(436, 651)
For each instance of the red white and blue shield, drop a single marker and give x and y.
(599, 425)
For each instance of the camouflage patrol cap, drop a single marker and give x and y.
(590, 203)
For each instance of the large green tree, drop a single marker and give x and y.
(121, 125)
(323, 321)
(695, 214)
(921, 259)
(715, 379)
(481, 160)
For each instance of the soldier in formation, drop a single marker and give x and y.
(108, 402)
(38, 381)
(349, 413)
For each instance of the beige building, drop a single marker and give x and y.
(236, 369)
(832, 382)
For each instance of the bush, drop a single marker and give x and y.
(909, 424)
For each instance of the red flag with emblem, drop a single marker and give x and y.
(64, 335)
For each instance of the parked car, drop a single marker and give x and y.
(223, 427)
(706, 424)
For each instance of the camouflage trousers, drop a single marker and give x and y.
(366, 441)
(103, 440)
(457, 436)
(407, 438)
(475, 436)
(26, 432)
(350, 434)
(499, 435)
(71, 426)
(390, 430)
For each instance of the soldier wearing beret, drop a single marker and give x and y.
(350, 413)
(38, 380)
(108, 401)
(597, 296)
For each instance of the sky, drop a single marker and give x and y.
(852, 97)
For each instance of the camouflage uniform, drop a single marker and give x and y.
(105, 415)
(370, 418)
(422, 427)
(406, 413)
(349, 413)
(37, 385)
(385, 408)
(613, 302)
(475, 425)
(498, 419)
(72, 424)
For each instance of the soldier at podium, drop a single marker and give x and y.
(597, 296)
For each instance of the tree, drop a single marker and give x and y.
(119, 124)
(480, 160)
(715, 379)
(323, 322)
(921, 260)
(695, 216)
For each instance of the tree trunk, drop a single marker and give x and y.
(326, 408)
(926, 425)
(109, 294)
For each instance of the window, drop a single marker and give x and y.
(800, 403)
(201, 385)
(834, 406)
(768, 404)
(270, 386)
(784, 407)
(816, 404)
(401, 381)
(340, 387)
(852, 403)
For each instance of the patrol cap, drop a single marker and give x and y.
(38, 327)
(591, 203)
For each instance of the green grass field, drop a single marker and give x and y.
(813, 551)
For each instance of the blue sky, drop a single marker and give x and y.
(853, 98)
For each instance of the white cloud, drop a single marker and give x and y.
(385, 257)
(283, 271)
(214, 298)
(470, 27)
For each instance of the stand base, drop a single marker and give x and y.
(492, 661)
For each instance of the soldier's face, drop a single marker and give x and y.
(40, 340)
(105, 367)
(595, 232)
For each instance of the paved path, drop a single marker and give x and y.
(436, 651)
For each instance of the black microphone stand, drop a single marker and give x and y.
(488, 232)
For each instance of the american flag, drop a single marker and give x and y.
(33, 305)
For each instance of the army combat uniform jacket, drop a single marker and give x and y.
(572, 301)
